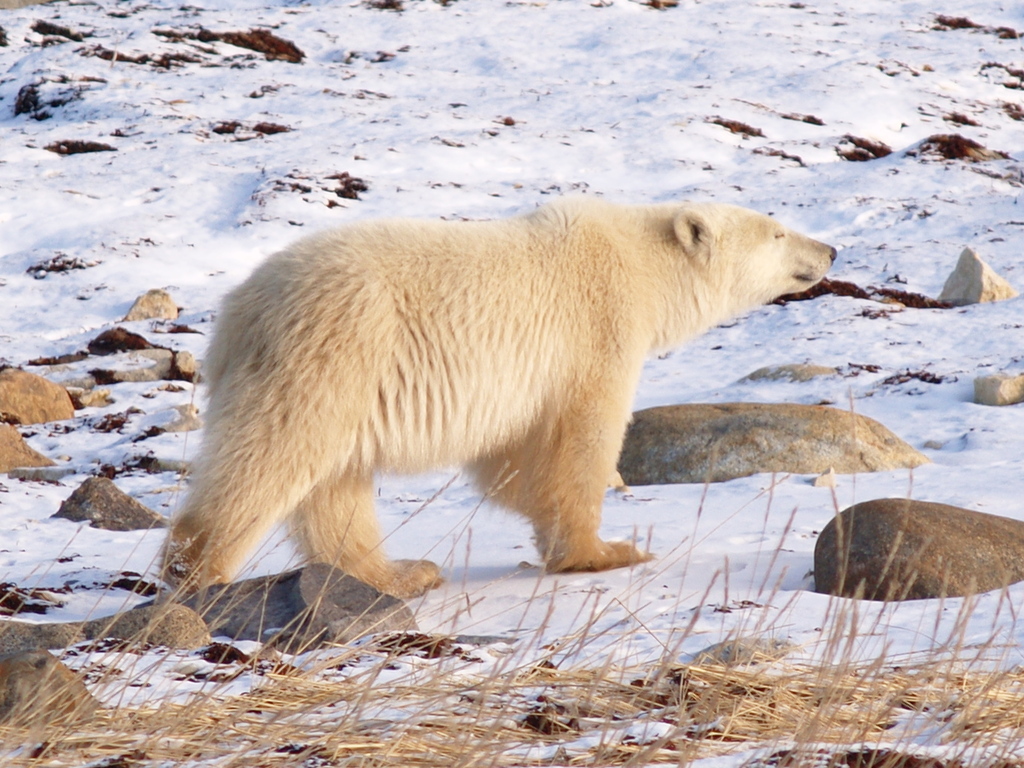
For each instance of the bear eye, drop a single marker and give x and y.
(779, 234)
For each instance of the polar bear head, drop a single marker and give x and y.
(748, 258)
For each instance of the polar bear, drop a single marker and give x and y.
(510, 347)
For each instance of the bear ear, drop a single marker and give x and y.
(693, 232)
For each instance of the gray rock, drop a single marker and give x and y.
(795, 372)
(102, 504)
(29, 399)
(714, 443)
(156, 304)
(18, 636)
(973, 282)
(999, 389)
(168, 624)
(900, 549)
(14, 451)
(300, 609)
(36, 689)
(171, 625)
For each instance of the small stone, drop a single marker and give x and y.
(187, 419)
(35, 689)
(26, 398)
(184, 367)
(102, 504)
(901, 549)
(934, 445)
(999, 389)
(300, 609)
(973, 282)
(826, 480)
(156, 304)
(90, 398)
(795, 372)
(703, 443)
(15, 452)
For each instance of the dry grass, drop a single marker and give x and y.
(351, 709)
(408, 699)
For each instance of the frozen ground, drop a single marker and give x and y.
(484, 109)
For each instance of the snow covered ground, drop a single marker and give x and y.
(478, 109)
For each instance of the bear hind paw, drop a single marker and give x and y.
(605, 557)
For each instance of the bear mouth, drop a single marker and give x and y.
(805, 277)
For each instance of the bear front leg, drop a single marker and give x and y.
(336, 524)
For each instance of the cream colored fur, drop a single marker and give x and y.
(511, 347)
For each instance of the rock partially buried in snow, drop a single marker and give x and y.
(41, 474)
(795, 372)
(135, 366)
(745, 650)
(973, 282)
(29, 399)
(999, 389)
(180, 418)
(901, 549)
(171, 625)
(15, 452)
(300, 609)
(36, 689)
(713, 443)
(156, 304)
(102, 504)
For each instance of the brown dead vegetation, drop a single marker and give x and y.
(78, 147)
(162, 61)
(736, 127)
(811, 119)
(958, 118)
(49, 29)
(259, 40)
(956, 147)
(831, 287)
(962, 22)
(1017, 75)
(862, 149)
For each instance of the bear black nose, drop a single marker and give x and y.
(832, 255)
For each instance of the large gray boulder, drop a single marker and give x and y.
(713, 443)
(300, 609)
(900, 549)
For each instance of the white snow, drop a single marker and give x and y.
(605, 98)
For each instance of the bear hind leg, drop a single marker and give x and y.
(336, 524)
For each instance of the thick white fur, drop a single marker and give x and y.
(511, 347)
